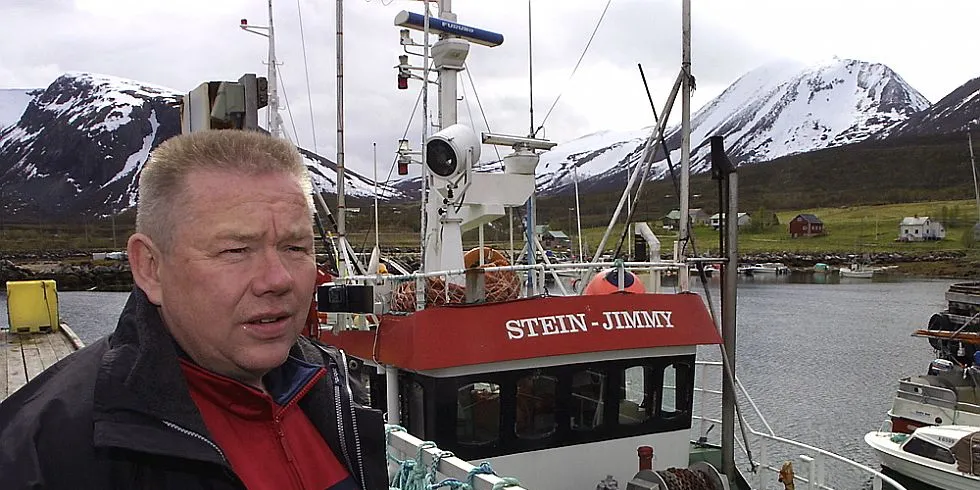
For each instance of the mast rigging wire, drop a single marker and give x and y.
(577, 64)
(480, 105)
(306, 67)
(289, 108)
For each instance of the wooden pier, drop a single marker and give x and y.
(24, 356)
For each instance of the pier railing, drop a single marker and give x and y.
(764, 445)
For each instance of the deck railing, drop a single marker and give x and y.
(418, 464)
(764, 444)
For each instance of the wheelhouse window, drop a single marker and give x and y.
(929, 450)
(638, 395)
(675, 389)
(478, 414)
(535, 406)
(588, 392)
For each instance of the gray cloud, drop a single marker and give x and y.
(181, 43)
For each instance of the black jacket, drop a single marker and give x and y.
(118, 414)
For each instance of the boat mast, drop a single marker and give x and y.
(275, 122)
(683, 235)
(275, 129)
(341, 174)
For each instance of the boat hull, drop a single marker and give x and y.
(919, 468)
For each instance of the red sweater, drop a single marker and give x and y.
(268, 440)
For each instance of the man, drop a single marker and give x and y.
(205, 383)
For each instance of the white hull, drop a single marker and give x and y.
(857, 274)
(582, 466)
(925, 470)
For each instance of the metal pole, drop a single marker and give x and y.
(391, 382)
(273, 108)
(728, 300)
(377, 231)
(420, 295)
(684, 230)
(341, 201)
(973, 166)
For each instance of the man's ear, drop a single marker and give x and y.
(145, 261)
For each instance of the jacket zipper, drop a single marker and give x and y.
(277, 420)
(340, 418)
(195, 435)
(353, 418)
(227, 465)
(335, 376)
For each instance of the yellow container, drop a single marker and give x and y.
(32, 306)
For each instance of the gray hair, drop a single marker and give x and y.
(163, 178)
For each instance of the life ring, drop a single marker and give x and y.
(491, 256)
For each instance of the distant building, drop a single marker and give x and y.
(551, 238)
(555, 238)
(917, 229)
(743, 220)
(698, 218)
(805, 225)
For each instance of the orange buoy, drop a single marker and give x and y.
(607, 282)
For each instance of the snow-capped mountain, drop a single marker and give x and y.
(775, 110)
(954, 113)
(78, 145)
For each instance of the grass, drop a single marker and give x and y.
(861, 229)
(855, 229)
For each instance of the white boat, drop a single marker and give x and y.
(947, 393)
(857, 271)
(768, 268)
(947, 456)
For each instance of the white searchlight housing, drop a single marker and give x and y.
(451, 153)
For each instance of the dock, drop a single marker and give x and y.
(24, 356)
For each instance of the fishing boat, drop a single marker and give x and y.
(482, 368)
(949, 392)
(857, 271)
(946, 457)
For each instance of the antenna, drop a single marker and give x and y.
(530, 71)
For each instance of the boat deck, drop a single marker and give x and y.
(24, 356)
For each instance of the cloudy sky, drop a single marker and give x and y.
(181, 43)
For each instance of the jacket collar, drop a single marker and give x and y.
(285, 385)
(140, 389)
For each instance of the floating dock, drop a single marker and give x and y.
(24, 356)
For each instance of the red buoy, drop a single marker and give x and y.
(607, 282)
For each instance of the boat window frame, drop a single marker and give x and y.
(919, 444)
(443, 423)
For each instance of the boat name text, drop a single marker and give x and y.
(523, 328)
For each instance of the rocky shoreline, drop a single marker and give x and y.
(76, 271)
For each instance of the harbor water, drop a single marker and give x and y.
(821, 358)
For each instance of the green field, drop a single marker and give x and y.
(855, 229)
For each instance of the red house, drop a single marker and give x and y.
(805, 225)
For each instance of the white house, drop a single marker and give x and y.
(917, 229)
(743, 219)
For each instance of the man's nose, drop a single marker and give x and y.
(272, 275)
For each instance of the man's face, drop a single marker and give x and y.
(236, 286)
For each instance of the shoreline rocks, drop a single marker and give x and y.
(75, 271)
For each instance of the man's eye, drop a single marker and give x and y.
(234, 250)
